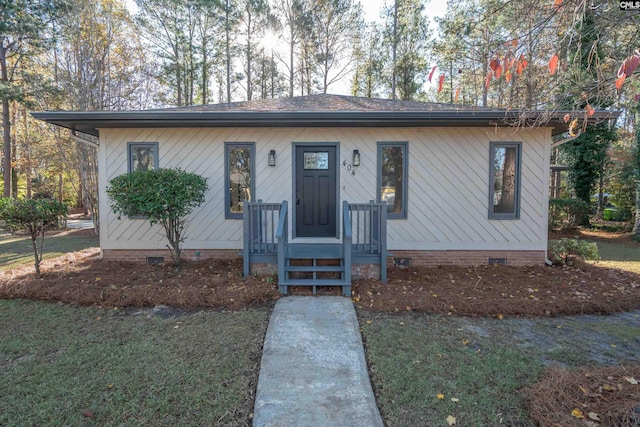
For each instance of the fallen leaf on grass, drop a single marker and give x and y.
(594, 416)
(87, 413)
(440, 396)
(577, 413)
(455, 399)
(368, 322)
(631, 380)
(465, 342)
(451, 420)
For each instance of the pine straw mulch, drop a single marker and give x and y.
(502, 290)
(81, 278)
(607, 396)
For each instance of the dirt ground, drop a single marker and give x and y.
(81, 278)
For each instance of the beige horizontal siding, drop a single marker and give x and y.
(448, 183)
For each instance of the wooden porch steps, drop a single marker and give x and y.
(314, 265)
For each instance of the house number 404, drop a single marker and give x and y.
(348, 166)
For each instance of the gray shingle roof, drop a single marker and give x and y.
(328, 103)
(313, 111)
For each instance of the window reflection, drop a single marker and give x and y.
(392, 185)
(239, 178)
(143, 158)
(504, 179)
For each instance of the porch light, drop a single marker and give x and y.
(356, 158)
(272, 158)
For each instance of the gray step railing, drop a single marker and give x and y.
(260, 224)
(266, 238)
(282, 235)
(347, 238)
(369, 228)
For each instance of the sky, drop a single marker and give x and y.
(435, 8)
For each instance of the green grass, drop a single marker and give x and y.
(622, 252)
(16, 250)
(622, 256)
(55, 361)
(414, 358)
(484, 363)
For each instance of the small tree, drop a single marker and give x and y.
(163, 196)
(35, 216)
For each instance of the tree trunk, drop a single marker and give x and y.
(6, 125)
(60, 188)
(6, 145)
(227, 36)
(249, 82)
(394, 48)
(508, 197)
(291, 63)
(601, 194)
(36, 256)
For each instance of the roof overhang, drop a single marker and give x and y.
(89, 122)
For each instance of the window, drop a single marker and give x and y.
(504, 180)
(392, 177)
(143, 156)
(238, 172)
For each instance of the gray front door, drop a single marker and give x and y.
(316, 202)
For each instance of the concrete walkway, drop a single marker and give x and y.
(79, 223)
(313, 370)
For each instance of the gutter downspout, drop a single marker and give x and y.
(556, 144)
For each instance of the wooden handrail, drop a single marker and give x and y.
(282, 236)
(347, 237)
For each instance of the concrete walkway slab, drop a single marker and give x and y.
(313, 370)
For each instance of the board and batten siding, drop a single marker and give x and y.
(448, 183)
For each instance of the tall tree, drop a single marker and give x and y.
(170, 26)
(336, 24)
(290, 14)
(369, 63)
(23, 25)
(230, 13)
(254, 21)
(407, 36)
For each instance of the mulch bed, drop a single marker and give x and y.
(81, 278)
(607, 396)
(502, 290)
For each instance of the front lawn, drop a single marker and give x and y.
(490, 372)
(63, 365)
(16, 249)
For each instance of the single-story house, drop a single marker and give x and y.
(321, 187)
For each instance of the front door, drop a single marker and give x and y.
(315, 191)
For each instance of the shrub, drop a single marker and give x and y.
(35, 216)
(162, 196)
(567, 213)
(567, 251)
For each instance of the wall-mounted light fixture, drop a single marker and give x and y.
(356, 158)
(272, 158)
